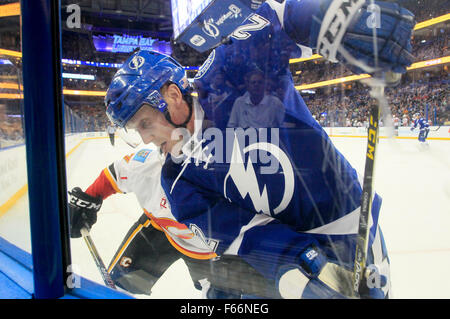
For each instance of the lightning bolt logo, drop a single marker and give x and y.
(246, 181)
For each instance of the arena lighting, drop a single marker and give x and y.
(84, 93)
(428, 63)
(89, 63)
(11, 86)
(78, 76)
(8, 10)
(414, 66)
(11, 96)
(312, 57)
(331, 82)
(11, 53)
(431, 22)
(16, 96)
(418, 26)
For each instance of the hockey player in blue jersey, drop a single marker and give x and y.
(424, 128)
(282, 198)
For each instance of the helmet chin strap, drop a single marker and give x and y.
(184, 124)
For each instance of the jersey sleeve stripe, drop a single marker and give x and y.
(112, 170)
(112, 180)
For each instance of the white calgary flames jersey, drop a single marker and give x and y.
(140, 173)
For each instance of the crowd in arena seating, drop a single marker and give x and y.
(93, 118)
(11, 132)
(10, 40)
(431, 47)
(351, 107)
(425, 9)
(321, 70)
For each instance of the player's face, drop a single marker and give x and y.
(153, 127)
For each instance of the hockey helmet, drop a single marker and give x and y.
(138, 81)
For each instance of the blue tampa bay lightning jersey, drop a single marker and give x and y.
(421, 123)
(263, 190)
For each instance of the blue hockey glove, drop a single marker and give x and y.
(312, 261)
(295, 281)
(345, 30)
(315, 278)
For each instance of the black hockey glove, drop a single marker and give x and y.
(83, 210)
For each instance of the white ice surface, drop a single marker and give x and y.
(413, 182)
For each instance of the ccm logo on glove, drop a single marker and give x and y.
(84, 204)
(335, 24)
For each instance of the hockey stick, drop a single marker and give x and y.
(97, 259)
(366, 198)
(377, 85)
(435, 130)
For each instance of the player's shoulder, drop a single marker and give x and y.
(143, 155)
(140, 157)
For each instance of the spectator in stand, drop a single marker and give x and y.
(256, 108)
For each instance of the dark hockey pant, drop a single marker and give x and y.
(145, 254)
(423, 134)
